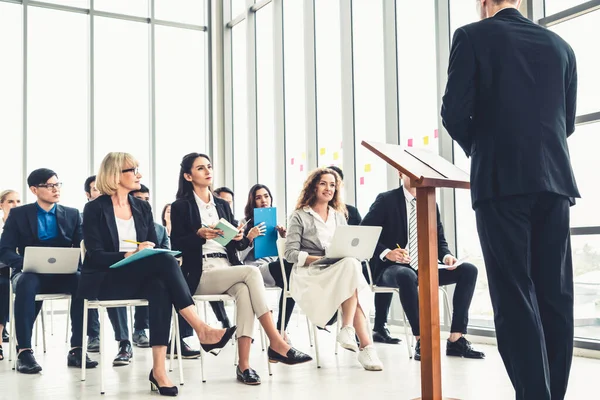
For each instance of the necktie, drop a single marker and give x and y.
(413, 242)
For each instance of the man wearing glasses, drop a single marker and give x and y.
(46, 224)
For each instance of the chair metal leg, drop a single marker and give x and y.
(338, 327)
(69, 318)
(316, 346)
(172, 353)
(262, 337)
(51, 318)
(268, 344)
(83, 338)
(179, 350)
(406, 337)
(102, 352)
(11, 311)
(234, 338)
(131, 323)
(310, 333)
(43, 329)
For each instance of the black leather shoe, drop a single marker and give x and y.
(215, 348)
(462, 348)
(382, 335)
(26, 363)
(248, 377)
(164, 390)
(187, 353)
(417, 355)
(5, 336)
(292, 357)
(125, 354)
(74, 359)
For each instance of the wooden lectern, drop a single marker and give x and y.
(427, 171)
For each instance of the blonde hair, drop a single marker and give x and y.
(308, 195)
(5, 193)
(109, 174)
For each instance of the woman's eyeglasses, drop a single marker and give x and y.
(134, 170)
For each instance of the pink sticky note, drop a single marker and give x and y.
(410, 142)
(435, 133)
(292, 161)
(362, 180)
(301, 167)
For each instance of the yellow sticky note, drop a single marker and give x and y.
(367, 167)
(336, 155)
(426, 140)
(304, 156)
(322, 151)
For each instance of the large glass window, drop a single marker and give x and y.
(180, 105)
(586, 265)
(72, 3)
(329, 82)
(57, 94)
(237, 7)
(265, 104)
(417, 74)
(241, 170)
(138, 8)
(186, 11)
(578, 33)
(295, 99)
(121, 91)
(11, 98)
(554, 6)
(369, 99)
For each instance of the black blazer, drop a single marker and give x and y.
(389, 212)
(354, 217)
(21, 230)
(185, 222)
(101, 239)
(510, 105)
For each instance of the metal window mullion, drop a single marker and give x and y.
(279, 112)
(182, 25)
(310, 68)
(587, 118)
(535, 10)
(570, 13)
(347, 74)
(152, 100)
(24, 99)
(259, 4)
(91, 91)
(236, 20)
(390, 70)
(251, 95)
(208, 96)
(227, 95)
(60, 7)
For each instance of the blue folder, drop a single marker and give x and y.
(266, 246)
(143, 254)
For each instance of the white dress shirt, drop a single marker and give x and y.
(325, 231)
(209, 217)
(408, 197)
(126, 231)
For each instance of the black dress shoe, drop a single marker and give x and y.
(187, 353)
(125, 354)
(292, 357)
(462, 348)
(164, 390)
(417, 355)
(215, 348)
(26, 363)
(382, 335)
(248, 377)
(5, 336)
(74, 359)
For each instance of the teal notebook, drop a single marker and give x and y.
(143, 254)
(229, 232)
(266, 246)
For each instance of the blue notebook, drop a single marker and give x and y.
(266, 246)
(143, 254)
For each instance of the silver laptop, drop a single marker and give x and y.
(351, 241)
(51, 260)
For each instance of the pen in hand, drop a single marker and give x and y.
(132, 241)
(206, 226)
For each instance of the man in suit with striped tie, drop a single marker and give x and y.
(395, 264)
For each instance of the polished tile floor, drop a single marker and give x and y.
(340, 377)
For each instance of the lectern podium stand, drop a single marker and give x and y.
(427, 171)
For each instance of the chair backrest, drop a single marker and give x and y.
(369, 273)
(280, 254)
(82, 246)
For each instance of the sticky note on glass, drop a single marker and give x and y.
(410, 142)
(362, 180)
(292, 161)
(336, 155)
(322, 151)
(435, 133)
(301, 167)
(426, 140)
(304, 156)
(367, 167)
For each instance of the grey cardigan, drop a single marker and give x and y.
(302, 235)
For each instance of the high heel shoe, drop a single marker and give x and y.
(215, 348)
(165, 390)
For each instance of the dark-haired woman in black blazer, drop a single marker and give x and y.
(211, 268)
(113, 223)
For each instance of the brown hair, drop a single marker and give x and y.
(308, 195)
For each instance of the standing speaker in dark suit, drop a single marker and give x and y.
(510, 105)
